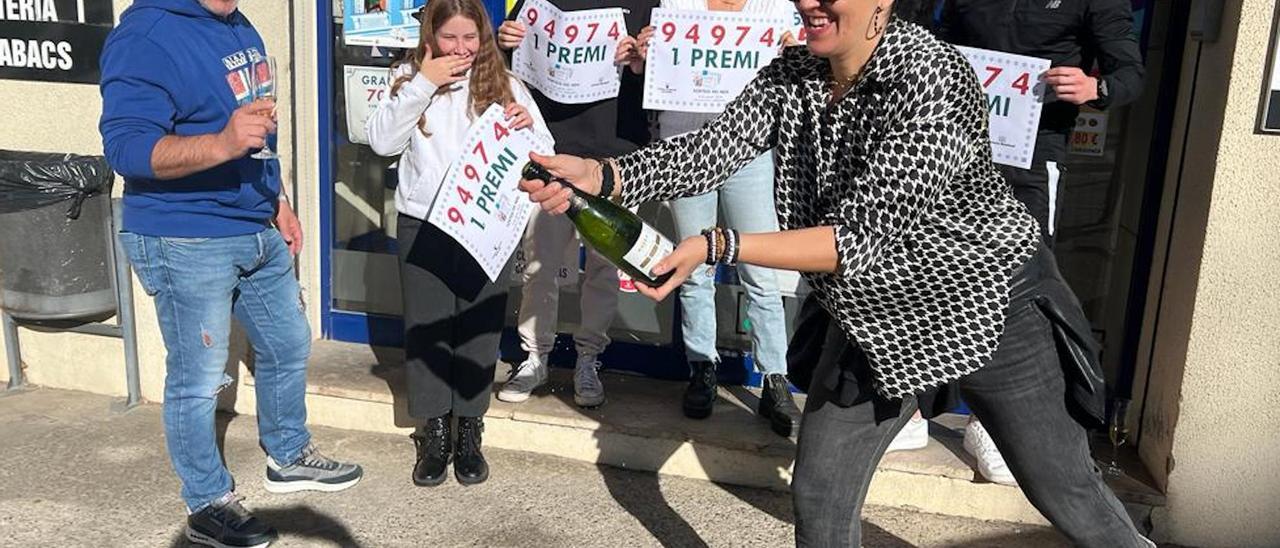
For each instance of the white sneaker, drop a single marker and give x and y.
(915, 435)
(524, 379)
(588, 391)
(991, 465)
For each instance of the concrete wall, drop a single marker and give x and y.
(1209, 431)
(57, 117)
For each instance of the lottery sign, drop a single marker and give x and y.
(479, 204)
(568, 56)
(364, 88)
(699, 61)
(1015, 96)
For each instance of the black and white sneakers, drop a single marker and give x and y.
(224, 523)
(312, 471)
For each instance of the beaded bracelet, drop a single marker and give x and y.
(732, 247)
(711, 236)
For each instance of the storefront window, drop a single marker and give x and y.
(1098, 219)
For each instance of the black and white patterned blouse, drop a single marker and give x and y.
(927, 232)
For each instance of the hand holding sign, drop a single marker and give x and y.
(518, 117)
(510, 34)
(1072, 85)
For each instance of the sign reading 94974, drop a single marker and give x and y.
(701, 60)
(479, 203)
(1015, 96)
(568, 56)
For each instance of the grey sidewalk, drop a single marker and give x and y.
(74, 474)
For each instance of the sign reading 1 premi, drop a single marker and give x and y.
(53, 40)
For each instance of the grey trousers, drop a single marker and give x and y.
(453, 319)
(1020, 397)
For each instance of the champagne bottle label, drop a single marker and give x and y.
(649, 248)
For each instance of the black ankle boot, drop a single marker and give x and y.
(470, 468)
(778, 407)
(435, 449)
(700, 396)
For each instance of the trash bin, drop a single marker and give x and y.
(56, 260)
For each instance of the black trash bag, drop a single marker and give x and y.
(30, 180)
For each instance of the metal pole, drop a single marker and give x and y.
(11, 350)
(124, 311)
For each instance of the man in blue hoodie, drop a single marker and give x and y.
(211, 235)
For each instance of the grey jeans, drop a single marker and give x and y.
(453, 317)
(1019, 397)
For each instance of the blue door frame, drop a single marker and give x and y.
(337, 324)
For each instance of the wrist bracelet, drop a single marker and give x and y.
(710, 235)
(606, 178)
(722, 244)
(732, 246)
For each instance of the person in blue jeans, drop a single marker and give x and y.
(746, 202)
(211, 236)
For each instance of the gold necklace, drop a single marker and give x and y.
(839, 86)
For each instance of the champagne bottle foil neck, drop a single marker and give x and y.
(577, 202)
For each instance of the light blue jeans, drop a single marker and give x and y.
(746, 201)
(198, 284)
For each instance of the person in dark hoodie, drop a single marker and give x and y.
(211, 235)
(1074, 36)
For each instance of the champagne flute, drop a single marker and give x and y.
(1118, 433)
(263, 85)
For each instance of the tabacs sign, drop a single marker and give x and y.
(53, 40)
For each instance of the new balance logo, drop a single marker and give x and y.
(1053, 4)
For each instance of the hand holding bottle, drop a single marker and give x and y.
(679, 265)
(552, 196)
(614, 232)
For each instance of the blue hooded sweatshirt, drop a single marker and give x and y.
(173, 67)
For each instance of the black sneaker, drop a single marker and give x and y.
(226, 524)
(469, 466)
(312, 471)
(778, 406)
(700, 396)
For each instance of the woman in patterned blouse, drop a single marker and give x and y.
(889, 203)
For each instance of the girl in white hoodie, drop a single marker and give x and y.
(453, 315)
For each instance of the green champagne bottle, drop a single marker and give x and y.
(617, 234)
